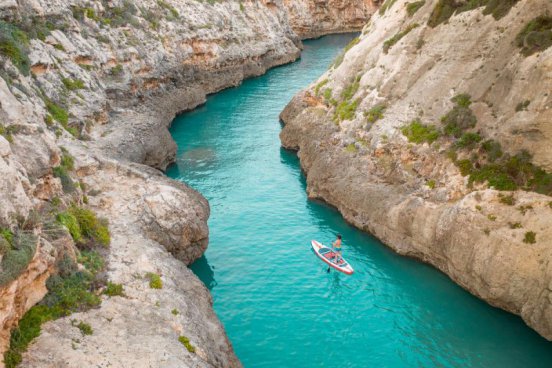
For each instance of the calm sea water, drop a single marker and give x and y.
(279, 305)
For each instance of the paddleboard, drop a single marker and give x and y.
(329, 257)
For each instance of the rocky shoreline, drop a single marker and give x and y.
(88, 94)
(368, 134)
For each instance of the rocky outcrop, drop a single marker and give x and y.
(142, 328)
(29, 287)
(349, 129)
(315, 18)
(101, 81)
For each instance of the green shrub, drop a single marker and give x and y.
(491, 217)
(67, 161)
(319, 86)
(412, 8)
(25, 332)
(396, 38)
(186, 342)
(431, 184)
(493, 150)
(516, 225)
(70, 222)
(73, 84)
(84, 327)
(174, 13)
(346, 110)
(91, 14)
(35, 27)
(9, 131)
(524, 209)
(375, 113)
(328, 94)
(114, 289)
(175, 312)
(117, 70)
(530, 237)
(19, 252)
(57, 112)
(351, 90)
(536, 36)
(5, 246)
(416, 132)
(445, 9)
(462, 100)
(7, 234)
(468, 140)
(460, 118)
(91, 226)
(14, 44)
(495, 175)
(155, 281)
(92, 261)
(386, 5)
(66, 181)
(507, 200)
(72, 293)
(121, 15)
(522, 106)
(351, 148)
(84, 226)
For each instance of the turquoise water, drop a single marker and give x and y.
(279, 305)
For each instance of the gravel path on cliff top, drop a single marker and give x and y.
(279, 306)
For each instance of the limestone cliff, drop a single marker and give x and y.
(432, 133)
(314, 18)
(87, 91)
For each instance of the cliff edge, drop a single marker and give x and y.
(431, 132)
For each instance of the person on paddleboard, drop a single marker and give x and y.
(337, 248)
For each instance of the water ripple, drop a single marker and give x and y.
(279, 305)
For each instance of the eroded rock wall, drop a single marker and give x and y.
(314, 18)
(101, 81)
(413, 195)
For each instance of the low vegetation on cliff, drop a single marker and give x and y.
(445, 9)
(482, 160)
(536, 36)
(71, 289)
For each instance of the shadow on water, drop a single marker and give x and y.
(205, 272)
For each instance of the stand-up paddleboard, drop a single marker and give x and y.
(328, 256)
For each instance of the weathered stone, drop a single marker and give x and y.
(468, 233)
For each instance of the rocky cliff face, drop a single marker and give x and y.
(314, 18)
(431, 133)
(87, 91)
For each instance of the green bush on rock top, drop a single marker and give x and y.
(85, 227)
